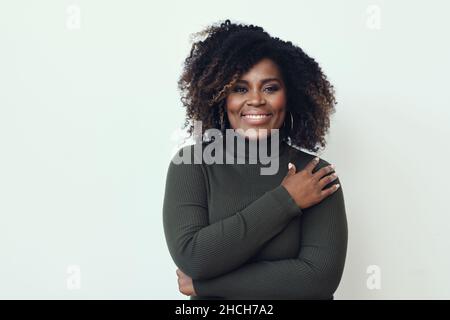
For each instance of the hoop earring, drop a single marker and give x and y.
(292, 121)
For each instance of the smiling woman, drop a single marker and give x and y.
(258, 99)
(234, 65)
(233, 232)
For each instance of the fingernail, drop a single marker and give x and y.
(290, 165)
(316, 159)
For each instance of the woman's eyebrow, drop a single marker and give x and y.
(261, 81)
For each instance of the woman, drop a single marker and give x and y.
(236, 233)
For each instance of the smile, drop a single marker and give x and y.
(256, 118)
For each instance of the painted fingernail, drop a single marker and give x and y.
(290, 165)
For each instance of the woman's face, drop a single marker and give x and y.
(258, 100)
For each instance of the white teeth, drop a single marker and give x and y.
(254, 116)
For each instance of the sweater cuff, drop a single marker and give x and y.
(287, 203)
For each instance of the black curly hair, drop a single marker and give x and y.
(230, 50)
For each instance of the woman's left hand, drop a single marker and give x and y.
(185, 284)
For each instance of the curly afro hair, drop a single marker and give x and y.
(230, 50)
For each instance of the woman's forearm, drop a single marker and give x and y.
(204, 250)
(315, 274)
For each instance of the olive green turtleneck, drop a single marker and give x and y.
(240, 235)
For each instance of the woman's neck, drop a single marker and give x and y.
(253, 150)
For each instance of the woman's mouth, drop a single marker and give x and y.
(255, 119)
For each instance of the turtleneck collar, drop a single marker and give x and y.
(251, 151)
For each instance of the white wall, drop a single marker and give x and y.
(87, 115)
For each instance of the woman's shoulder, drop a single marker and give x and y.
(300, 158)
(186, 165)
(189, 154)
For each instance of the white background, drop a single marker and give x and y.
(87, 117)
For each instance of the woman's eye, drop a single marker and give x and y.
(272, 89)
(238, 89)
(269, 89)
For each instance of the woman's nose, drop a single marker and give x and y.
(256, 99)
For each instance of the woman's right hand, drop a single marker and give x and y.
(305, 187)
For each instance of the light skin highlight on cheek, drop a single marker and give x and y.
(259, 91)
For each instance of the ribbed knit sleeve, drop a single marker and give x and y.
(315, 274)
(203, 250)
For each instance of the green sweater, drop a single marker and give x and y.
(240, 235)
